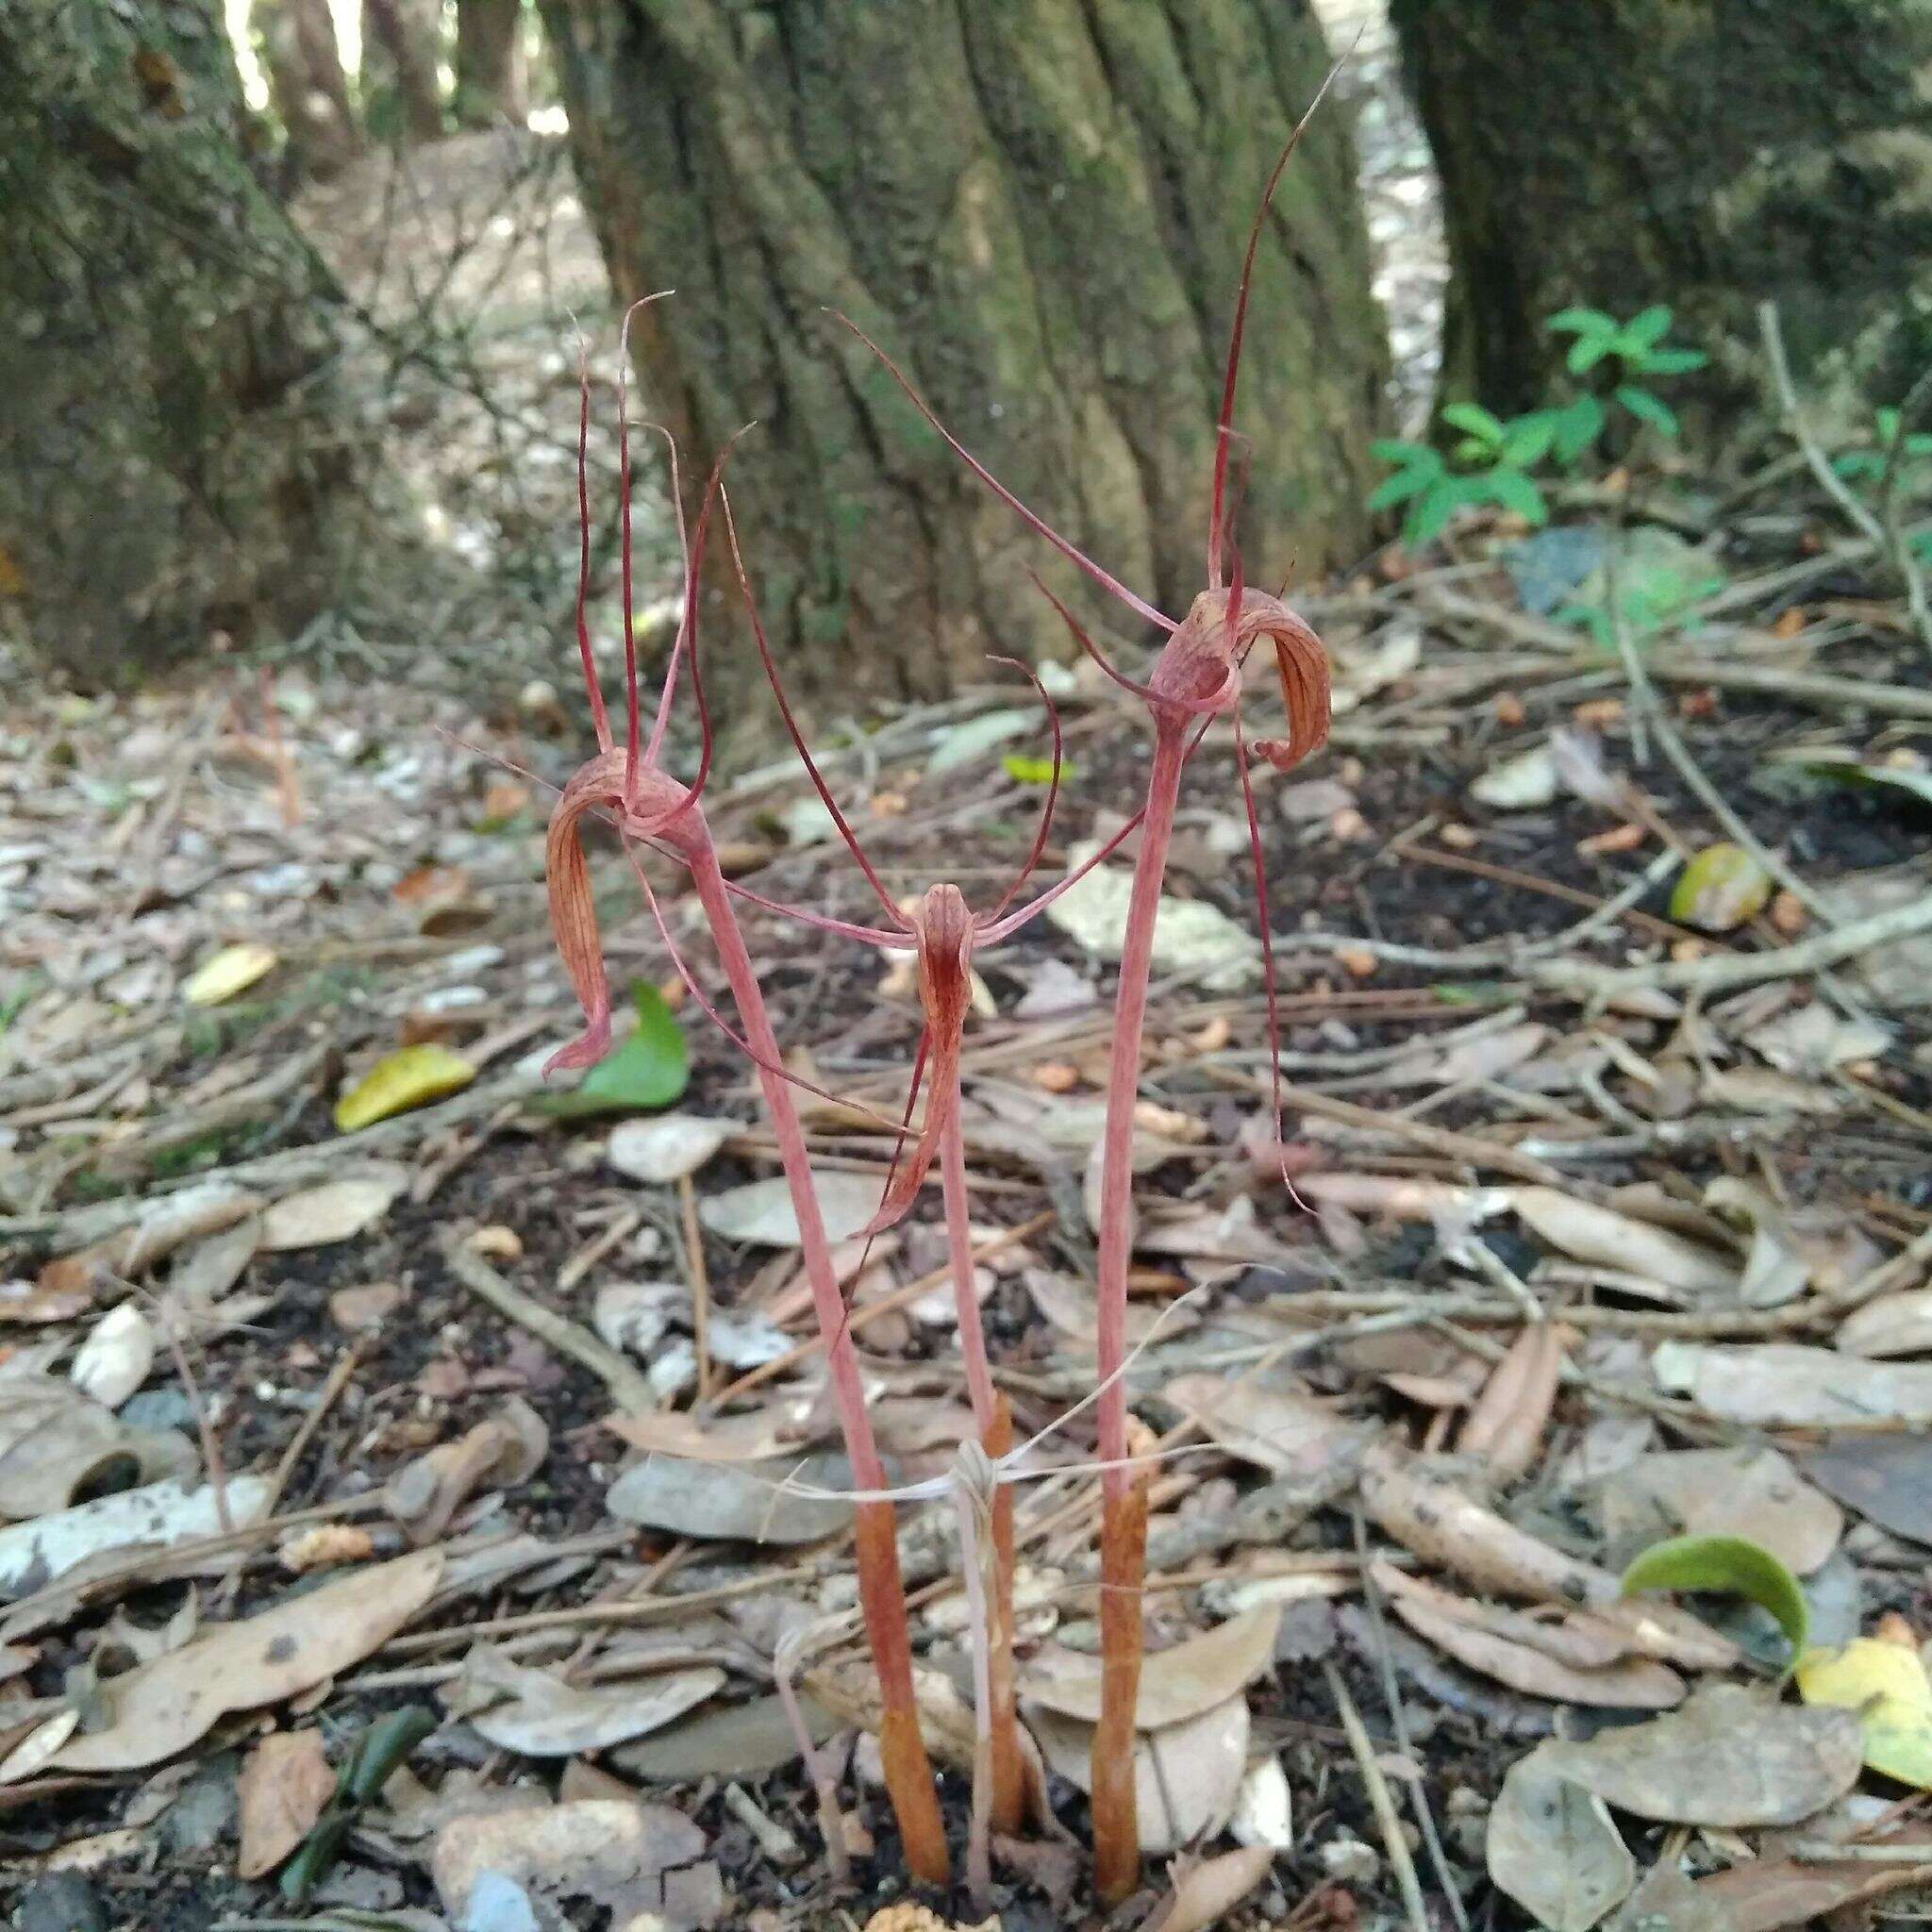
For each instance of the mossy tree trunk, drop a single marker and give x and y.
(297, 41)
(400, 80)
(1039, 208)
(175, 459)
(1709, 154)
(490, 62)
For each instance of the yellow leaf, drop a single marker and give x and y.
(233, 970)
(399, 1081)
(1722, 887)
(1885, 1684)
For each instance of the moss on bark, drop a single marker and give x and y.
(175, 459)
(1710, 154)
(1038, 206)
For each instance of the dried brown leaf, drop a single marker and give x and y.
(1553, 1848)
(1749, 1492)
(284, 1784)
(159, 1708)
(1176, 1684)
(1728, 1757)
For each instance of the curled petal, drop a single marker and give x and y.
(945, 991)
(1303, 666)
(598, 787)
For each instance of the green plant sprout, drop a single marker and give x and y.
(1492, 458)
(1489, 464)
(1907, 460)
(1631, 350)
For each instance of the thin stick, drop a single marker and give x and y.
(339, 1378)
(860, 1317)
(700, 1282)
(1380, 1802)
(1886, 534)
(1391, 1697)
(204, 1424)
(627, 1386)
(1724, 971)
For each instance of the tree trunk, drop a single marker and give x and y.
(1039, 208)
(1707, 154)
(399, 71)
(490, 63)
(176, 461)
(297, 40)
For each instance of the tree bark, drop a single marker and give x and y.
(1707, 154)
(399, 74)
(177, 460)
(297, 41)
(1039, 209)
(490, 63)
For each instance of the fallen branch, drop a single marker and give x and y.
(628, 1389)
(1728, 970)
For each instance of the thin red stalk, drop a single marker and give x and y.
(1044, 831)
(731, 1033)
(1008, 1766)
(1031, 518)
(881, 1593)
(1268, 979)
(1004, 928)
(993, 1684)
(600, 717)
(1120, 1635)
(985, 1398)
(842, 928)
(797, 737)
(669, 688)
(632, 734)
(1224, 427)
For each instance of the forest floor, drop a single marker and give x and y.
(1610, 1183)
(1613, 1220)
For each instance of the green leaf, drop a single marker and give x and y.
(1401, 487)
(1515, 491)
(648, 1068)
(316, 1853)
(1390, 449)
(1586, 352)
(1648, 408)
(1526, 439)
(1671, 362)
(1887, 421)
(1729, 1563)
(1432, 509)
(1476, 421)
(1645, 330)
(1581, 322)
(1035, 771)
(1578, 424)
(1858, 462)
(385, 1744)
(1919, 445)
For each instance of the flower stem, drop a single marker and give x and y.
(882, 1598)
(1116, 1836)
(995, 1423)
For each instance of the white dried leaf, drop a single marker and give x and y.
(1192, 939)
(665, 1148)
(116, 1357)
(761, 1213)
(336, 1211)
(1553, 1848)
(1522, 783)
